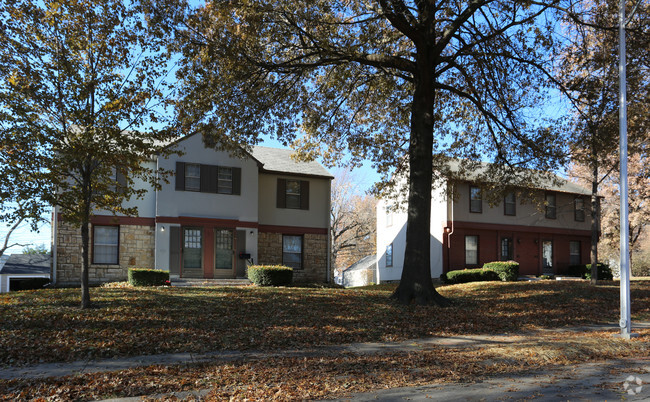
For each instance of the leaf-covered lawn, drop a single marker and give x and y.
(48, 326)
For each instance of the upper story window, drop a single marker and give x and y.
(224, 180)
(510, 204)
(551, 209)
(106, 244)
(475, 200)
(208, 178)
(579, 209)
(293, 194)
(192, 177)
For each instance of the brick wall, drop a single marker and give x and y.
(136, 250)
(269, 249)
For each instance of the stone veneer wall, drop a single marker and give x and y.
(269, 252)
(136, 250)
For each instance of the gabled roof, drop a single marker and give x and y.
(25, 264)
(544, 181)
(364, 263)
(278, 160)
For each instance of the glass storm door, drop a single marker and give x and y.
(223, 253)
(547, 257)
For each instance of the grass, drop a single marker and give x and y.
(47, 326)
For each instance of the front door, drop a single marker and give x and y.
(223, 253)
(547, 257)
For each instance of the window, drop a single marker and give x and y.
(550, 206)
(471, 250)
(224, 180)
(506, 249)
(475, 202)
(389, 217)
(293, 194)
(574, 253)
(192, 248)
(389, 255)
(106, 244)
(292, 251)
(579, 209)
(207, 178)
(192, 177)
(510, 204)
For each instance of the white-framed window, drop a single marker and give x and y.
(506, 248)
(551, 209)
(574, 253)
(106, 241)
(475, 200)
(224, 181)
(510, 204)
(389, 255)
(471, 250)
(192, 177)
(293, 194)
(579, 209)
(192, 247)
(292, 251)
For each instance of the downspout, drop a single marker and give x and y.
(452, 228)
(329, 232)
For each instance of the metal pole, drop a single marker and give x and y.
(625, 323)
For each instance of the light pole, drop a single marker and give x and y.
(625, 322)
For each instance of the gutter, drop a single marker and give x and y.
(329, 232)
(451, 219)
(55, 227)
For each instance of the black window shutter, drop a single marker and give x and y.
(175, 250)
(180, 176)
(304, 194)
(208, 179)
(282, 193)
(236, 181)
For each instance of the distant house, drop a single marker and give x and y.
(361, 273)
(16, 268)
(217, 214)
(545, 235)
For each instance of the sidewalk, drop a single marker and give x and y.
(575, 383)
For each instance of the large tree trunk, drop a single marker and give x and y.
(415, 285)
(595, 226)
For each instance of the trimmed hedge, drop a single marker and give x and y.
(584, 271)
(508, 270)
(147, 277)
(469, 275)
(270, 275)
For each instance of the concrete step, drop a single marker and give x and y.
(199, 282)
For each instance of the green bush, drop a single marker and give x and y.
(508, 270)
(147, 277)
(584, 271)
(471, 275)
(270, 275)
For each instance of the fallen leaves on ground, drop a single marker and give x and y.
(47, 325)
(327, 376)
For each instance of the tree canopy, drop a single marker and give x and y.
(81, 86)
(376, 79)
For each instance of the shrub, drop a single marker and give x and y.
(471, 275)
(270, 275)
(147, 277)
(584, 271)
(508, 270)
